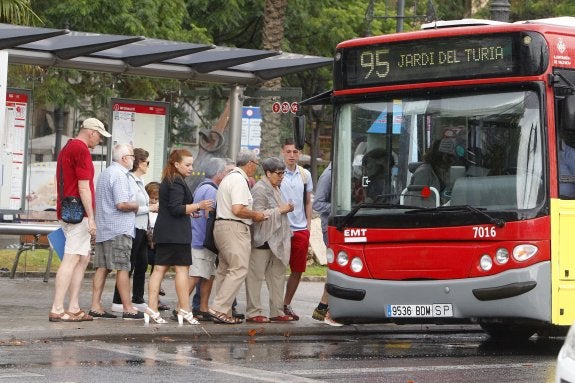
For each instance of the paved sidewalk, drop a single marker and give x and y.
(26, 302)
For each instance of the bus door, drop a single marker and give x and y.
(563, 209)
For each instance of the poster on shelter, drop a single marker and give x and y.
(251, 128)
(13, 153)
(143, 124)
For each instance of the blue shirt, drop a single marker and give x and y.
(292, 190)
(206, 191)
(113, 187)
(322, 197)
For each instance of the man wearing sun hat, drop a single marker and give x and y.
(97, 125)
(76, 172)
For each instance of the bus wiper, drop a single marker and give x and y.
(349, 216)
(495, 221)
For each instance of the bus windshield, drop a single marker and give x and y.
(483, 150)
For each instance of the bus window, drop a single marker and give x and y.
(495, 137)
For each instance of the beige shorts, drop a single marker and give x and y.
(203, 263)
(77, 237)
(114, 254)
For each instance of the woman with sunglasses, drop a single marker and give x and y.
(270, 247)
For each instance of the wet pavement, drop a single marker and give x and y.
(26, 302)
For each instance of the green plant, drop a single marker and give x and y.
(30, 260)
(316, 271)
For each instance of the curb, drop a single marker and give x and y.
(90, 275)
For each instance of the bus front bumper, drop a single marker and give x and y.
(519, 293)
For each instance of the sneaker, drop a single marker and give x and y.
(163, 306)
(319, 314)
(289, 311)
(137, 315)
(140, 306)
(117, 307)
(331, 322)
(236, 314)
(104, 314)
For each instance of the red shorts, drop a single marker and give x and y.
(298, 255)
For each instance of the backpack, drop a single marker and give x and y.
(209, 242)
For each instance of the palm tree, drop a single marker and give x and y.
(18, 12)
(272, 38)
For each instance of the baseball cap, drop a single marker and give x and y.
(97, 125)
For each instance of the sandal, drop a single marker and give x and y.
(282, 318)
(222, 318)
(62, 317)
(188, 316)
(259, 319)
(82, 316)
(155, 316)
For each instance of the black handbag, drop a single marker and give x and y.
(209, 242)
(71, 207)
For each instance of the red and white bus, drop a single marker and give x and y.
(453, 194)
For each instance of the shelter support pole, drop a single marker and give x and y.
(236, 103)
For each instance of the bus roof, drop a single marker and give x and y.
(563, 21)
(459, 23)
(472, 26)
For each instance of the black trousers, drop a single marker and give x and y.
(138, 268)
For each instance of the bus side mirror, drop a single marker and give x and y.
(568, 113)
(299, 131)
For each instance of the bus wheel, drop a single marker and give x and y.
(506, 330)
(553, 331)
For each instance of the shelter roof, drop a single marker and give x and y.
(138, 55)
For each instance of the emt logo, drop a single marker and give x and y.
(355, 235)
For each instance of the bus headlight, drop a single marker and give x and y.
(356, 265)
(524, 252)
(342, 258)
(329, 255)
(501, 256)
(485, 263)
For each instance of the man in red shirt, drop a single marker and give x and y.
(75, 171)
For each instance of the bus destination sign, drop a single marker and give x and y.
(438, 59)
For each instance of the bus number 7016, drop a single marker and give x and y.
(484, 232)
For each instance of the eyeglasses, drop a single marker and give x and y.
(257, 163)
(279, 173)
(130, 155)
(148, 163)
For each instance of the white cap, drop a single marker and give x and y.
(97, 125)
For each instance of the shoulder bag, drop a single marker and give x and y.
(71, 207)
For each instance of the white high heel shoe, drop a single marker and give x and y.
(188, 316)
(149, 313)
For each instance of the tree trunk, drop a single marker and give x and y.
(272, 37)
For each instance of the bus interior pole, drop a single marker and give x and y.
(400, 15)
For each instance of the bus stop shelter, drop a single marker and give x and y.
(141, 56)
(146, 57)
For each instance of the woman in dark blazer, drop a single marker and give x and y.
(173, 235)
